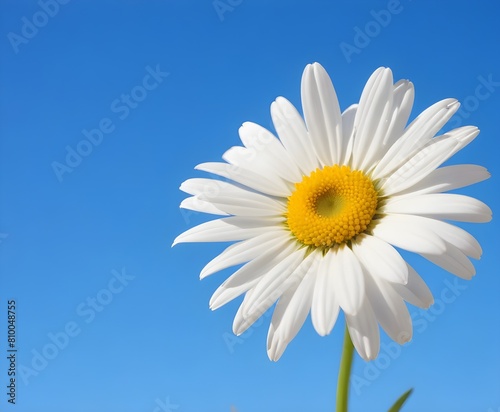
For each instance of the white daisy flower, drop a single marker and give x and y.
(318, 213)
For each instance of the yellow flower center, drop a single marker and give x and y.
(331, 206)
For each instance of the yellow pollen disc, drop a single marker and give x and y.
(331, 206)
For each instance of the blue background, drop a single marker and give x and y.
(151, 340)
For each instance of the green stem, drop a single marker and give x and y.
(344, 373)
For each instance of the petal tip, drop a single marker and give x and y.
(404, 337)
(453, 104)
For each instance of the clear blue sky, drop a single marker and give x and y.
(109, 317)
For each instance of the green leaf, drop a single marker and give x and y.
(402, 399)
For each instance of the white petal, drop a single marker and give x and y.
(291, 311)
(244, 203)
(372, 119)
(269, 184)
(242, 323)
(244, 251)
(426, 160)
(441, 206)
(403, 95)
(415, 291)
(404, 232)
(232, 199)
(380, 259)
(322, 114)
(348, 279)
(464, 135)
(364, 331)
(247, 276)
(228, 229)
(293, 134)
(270, 149)
(419, 166)
(225, 295)
(246, 315)
(454, 261)
(448, 178)
(390, 310)
(270, 287)
(416, 136)
(252, 159)
(199, 205)
(198, 186)
(348, 117)
(445, 232)
(325, 307)
(458, 237)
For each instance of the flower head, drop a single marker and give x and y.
(317, 214)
